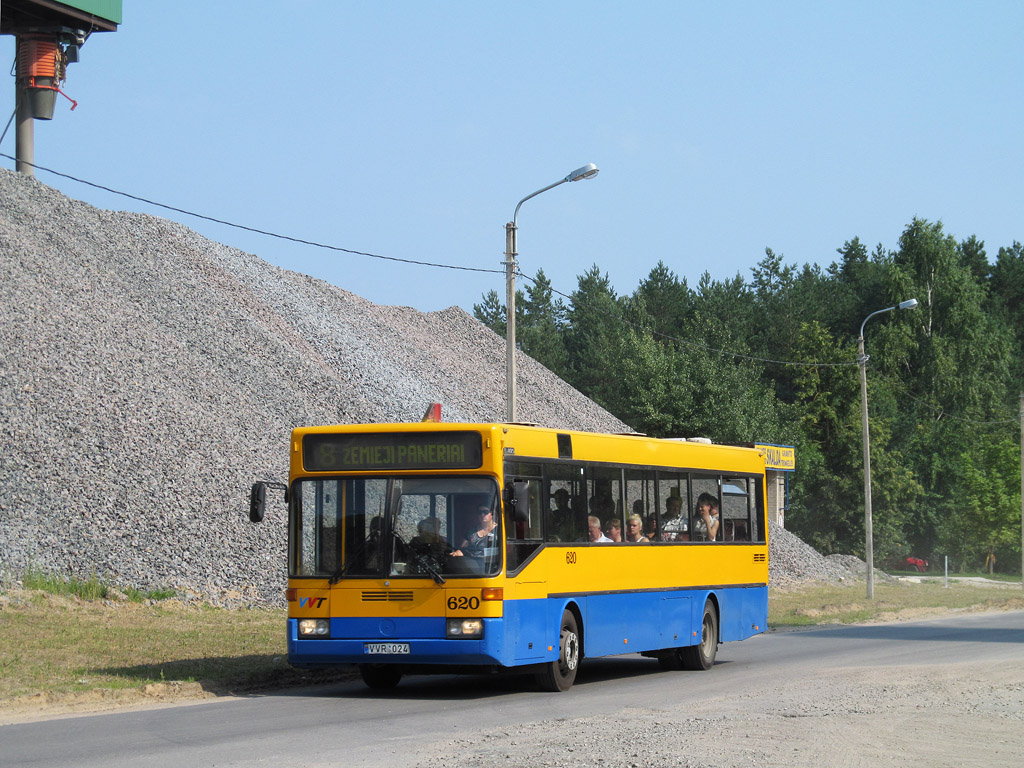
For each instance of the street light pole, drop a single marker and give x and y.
(862, 360)
(588, 171)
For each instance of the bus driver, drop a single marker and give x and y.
(477, 542)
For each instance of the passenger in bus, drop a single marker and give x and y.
(477, 542)
(560, 519)
(675, 526)
(613, 529)
(596, 537)
(705, 524)
(602, 506)
(561, 509)
(635, 529)
(428, 538)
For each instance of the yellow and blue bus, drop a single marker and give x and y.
(428, 547)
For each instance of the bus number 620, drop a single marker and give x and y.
(463, 603)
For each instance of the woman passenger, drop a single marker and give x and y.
(613, 529)
(635, 529)
(705, 524)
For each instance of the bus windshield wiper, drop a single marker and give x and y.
(349, 562)
(340, 572)
(420, 560)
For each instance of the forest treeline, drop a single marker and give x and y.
(774, 359)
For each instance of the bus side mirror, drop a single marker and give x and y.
(257, 502)
(521, 501)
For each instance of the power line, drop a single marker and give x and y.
(326, 246)
(265, 232)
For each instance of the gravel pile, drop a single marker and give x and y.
(792, 562)
(149, 375)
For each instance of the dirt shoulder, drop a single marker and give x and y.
(47, 706)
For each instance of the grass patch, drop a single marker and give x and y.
(87, 589)
(137, 596)
(848, 604)
(54, 643)
(1010, 578)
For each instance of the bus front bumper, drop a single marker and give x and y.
(351, 643)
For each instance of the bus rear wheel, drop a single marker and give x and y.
(559, 675)
(702, 655)
(380, 676)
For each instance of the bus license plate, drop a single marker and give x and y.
(386, 648)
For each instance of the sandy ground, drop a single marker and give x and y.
(43, 706)
(955, 715)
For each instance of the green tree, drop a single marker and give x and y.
(666, 300)
(949, 357)
(1007, 298)
(827, 506)
(987, 519)
(491, 312)
(592, 338)
(542, 321)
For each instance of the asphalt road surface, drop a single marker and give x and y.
(940, 692)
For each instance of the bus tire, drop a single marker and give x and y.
(702, 655)
(559, 675)
(380, 676)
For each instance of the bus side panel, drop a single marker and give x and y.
(743, 612)
(622, 623)
(526, 631)
(605, 623)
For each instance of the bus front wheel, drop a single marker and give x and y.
(702, 655)
(380, 676)
(559, 675)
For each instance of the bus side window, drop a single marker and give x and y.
(522, 532)
(735, 512)
(673, 501)
(604, 490)
(564, 507)
(640, 501)
(703, 484)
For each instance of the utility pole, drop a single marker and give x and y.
(1022, 489)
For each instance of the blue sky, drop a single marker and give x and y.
(412, 129)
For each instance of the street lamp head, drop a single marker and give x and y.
(908, 304)
(588, 171)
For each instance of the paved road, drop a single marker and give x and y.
(346, 724)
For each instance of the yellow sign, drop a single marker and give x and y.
(781, 457)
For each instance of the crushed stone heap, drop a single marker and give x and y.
(148, 376)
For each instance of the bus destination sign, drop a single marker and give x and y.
(381, 452)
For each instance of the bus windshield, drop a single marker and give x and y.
(431, 527)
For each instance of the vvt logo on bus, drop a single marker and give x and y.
(311, 602)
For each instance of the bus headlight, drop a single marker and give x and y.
(468, 628)
(314, 628)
